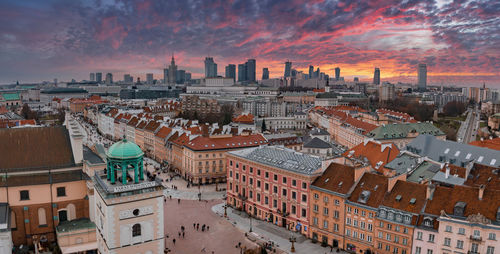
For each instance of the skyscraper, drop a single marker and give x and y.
(149, 78)
(172, 71)
(376, 76)
(316, 73)
(128, 79)
(337, 73)
(98, 77)
(242, 72)
(422, 77)
(265, 73)
(165, 76)
(311, 70)
(288, 69)
(231, 71)
(92, 76)
(109, 78)
(251, 66)
(180, 76)
(210, 67)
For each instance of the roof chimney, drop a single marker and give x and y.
(204, 130)
(481, 191)
(447, 172)
(430, 191)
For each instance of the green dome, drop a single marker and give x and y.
(124, 150)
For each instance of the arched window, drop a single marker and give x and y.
(136, 230)
(42, 218)
(13, 224)
(71, 211)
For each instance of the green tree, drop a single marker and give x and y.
(263, 128)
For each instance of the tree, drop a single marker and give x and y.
(26, 111)
(227, 111)
(454, 108)
(263, 128)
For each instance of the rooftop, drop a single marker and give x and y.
(91, 157)
(370, 190)
(402, 130)
(425, 171)
(216, 143)
(488, 143)
(124, 150)
(337, 178)
(73, 225)
(406, 196)
(283, 158)
(377, 154)
(317, 143)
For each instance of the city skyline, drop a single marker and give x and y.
(457, 41)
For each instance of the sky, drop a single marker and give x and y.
(458, 40)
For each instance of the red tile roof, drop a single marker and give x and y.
(372, 151)
(406, 191)
(216, 143)
(488, 143)
(163, 132)
(337, 178)
(375, 184)
(404, 116)
(364, 126)
(244, 118)
(484, 175)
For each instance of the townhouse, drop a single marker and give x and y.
(160, 142)
(401, 134)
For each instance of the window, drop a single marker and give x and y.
(244, 167)
(474, 248)
(461, 231)
(362, 224)
(230, 173)
(244, 178)
(396, 228)
(348, 232)
(25, 195)
(237, 176)
(325, 224)
(266, 200)
(336, 227)
(405, 241)
(284, 180)
(490, 250)
(395, 250)
(369, 238)
(304, 198)
(477, 233)
(250, 181)
(316, 196)
(356, 211)
(258, 183)
(380, 235)
(275, 177)
(336, 214)
(396, 239)
(380, 245)
(388, 237)
(136, 230)
(348, 209)
(388, 248)
(361, 236)
(304, 185)
(258, 172)
(294, 210)
(258, 197)
(348, 221)
(405, 230)
(251, 170)
(294, 195)
(275, 203)
(42, 218)
(315, 221)
(370, 227)
(460, 244)
(266, 186)
(431, 238)
(429, 251)
(315, 208)
(325, 211)
(389, 226)
(419, 235)
(492, 236)
(267, 174)
(284, 192)
(337, 202)
(447, 241)
(294, 182)
(230, 162)
(363, 213)
(355, 223)
(61, 191)
(448, 229)
(303, 212)
(381, 224)
(418, 250)
(355, 234)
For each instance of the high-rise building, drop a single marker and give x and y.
(188, 76)
(337, 73)
(172, 71)
(109, 78)
(210, 67)
(251, 67)
(265, 73)
(356, 79)
(316, 73)
(149, 78)
(242, 72)
(376, 76)
(311, 70)
(422, 77)
(165, 76)
(180, 76)
(92, 76)
(98, 77)
(386, 92)
(231, 71)
(127, 78)
(288, 69)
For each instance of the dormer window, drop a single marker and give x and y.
(459, 208)
(428, 222)
(390, 216)
(383, 214)
(407, 219)
(399, 218)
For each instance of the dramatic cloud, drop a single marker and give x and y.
(459, 40)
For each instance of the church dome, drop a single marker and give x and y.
(124, 150)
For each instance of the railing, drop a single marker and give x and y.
(476, 238)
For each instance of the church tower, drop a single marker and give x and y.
(172, 71)
(128, 208)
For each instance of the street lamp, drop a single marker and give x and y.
(292, 240)
(250, 216)
(225, 209)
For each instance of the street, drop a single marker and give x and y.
(468, 130)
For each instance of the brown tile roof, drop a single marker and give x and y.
(407, 191)
(213, 143)
(152, 126)
(375, 184)
(141, 124)
(163, 132)
(244, 118)
(364, 126)
(181, 140)
(482, 174)
(406, 117)
(373, 152)
(445, 198)
(337, 178)
(31, 148)
(133, 121)
(455, 170)
(488, 143)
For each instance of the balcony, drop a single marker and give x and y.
(476, 238)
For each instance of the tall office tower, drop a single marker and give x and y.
(127, 78)
(98, 77)
(92, 76)
(376, 76)
(180, 77)
(172, 71)
(231, 71)
(316, 73)
(337, 73)
(210, 68)
(188, 76)
(288, 69)
(294, 72)
(128, 207)
(165, 76)
(242, 72)
(251, 66)
(109, 78)
(311, 70)
(386, 92)
(265, 73)
(149, 78)
(356, 79)
(422, 77)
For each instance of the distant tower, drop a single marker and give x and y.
(337, 73)
(422, 77)
(172, 71)
(210, 68)
(92, 76)
(288, 69)
(109, 78)
(376, 76)
(165, 76)
(311, 71)
(231, 71)
(242, 72)
(129, 209)
(98, 77)
(265, 73)
(149, 78)
(251, 66)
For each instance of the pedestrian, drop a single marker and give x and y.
(178, 201)
(203, 250)
(183, 234)
(197, 226)
(208, 227)
(331, 248)
(182, 228)
(179, 234)
(194, 225)
(173, 240)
